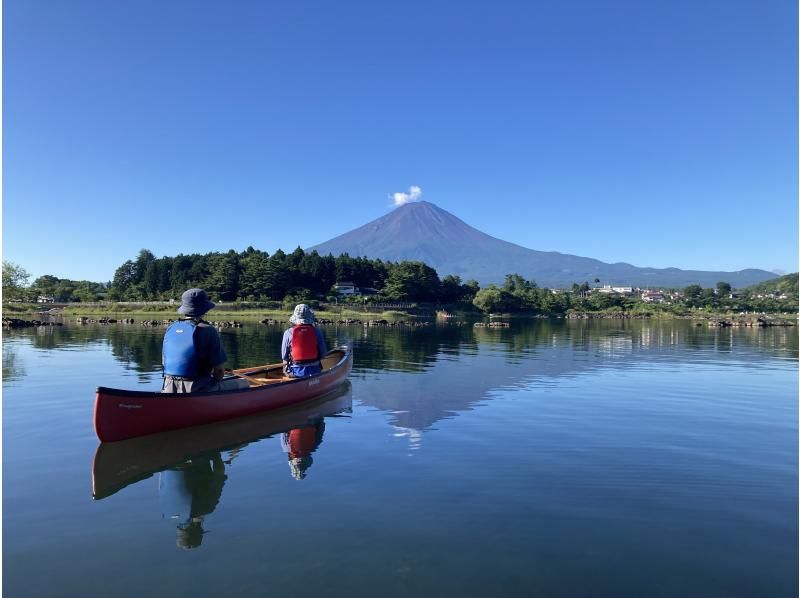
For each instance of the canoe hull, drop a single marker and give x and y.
(117, 465)
(121, 414)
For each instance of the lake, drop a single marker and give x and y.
(599, 458)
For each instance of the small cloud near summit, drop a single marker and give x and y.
(400, 198)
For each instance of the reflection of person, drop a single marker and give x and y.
(303, 345)
(299, 443)
(189, 493)
(192, 353)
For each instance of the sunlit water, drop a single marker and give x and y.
(549, 459)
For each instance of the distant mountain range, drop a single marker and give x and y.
(425, 232)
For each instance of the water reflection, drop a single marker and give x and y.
(415, 350)
(13, 366)
(560, 444)
(299, 443)
(191, 463)
(189, 492)
(461, 375)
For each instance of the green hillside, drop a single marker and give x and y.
(784, 284)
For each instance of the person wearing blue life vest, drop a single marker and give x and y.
(303, 345)
(192, 353)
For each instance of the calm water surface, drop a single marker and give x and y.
(549, 459)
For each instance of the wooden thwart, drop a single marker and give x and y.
(270, 374)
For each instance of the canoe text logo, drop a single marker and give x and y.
(313, 382)
(126, 406)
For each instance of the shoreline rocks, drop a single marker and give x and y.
(18, 323)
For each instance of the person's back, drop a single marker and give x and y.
(303, 345)
(192, 353)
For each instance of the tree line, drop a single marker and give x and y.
(256, 276)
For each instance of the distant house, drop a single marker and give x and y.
(653, 296)
(614, 290)
(776, 295)
(45, 299)
(344, 289)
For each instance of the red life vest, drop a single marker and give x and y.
(304, 343)
(302, 441)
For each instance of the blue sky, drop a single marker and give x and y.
(657, 133)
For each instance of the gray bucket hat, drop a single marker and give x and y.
(194, 303)
(302, 315)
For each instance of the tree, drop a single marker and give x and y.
(489, 299)
(693, 295)
(452, 289)
(64, 289)
(412, 281)
(123, 280)
(15, 278)
(709, 298)
(222, 281)
(276, 277)
(46, 285)
(252, 279)
(492, 299)
(723, 289)
(471, 288)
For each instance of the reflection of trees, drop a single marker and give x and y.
(136, 349)
(491, 359)
(409, 349)
(13, 369)
(140, 349)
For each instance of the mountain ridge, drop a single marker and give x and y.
(422, 231)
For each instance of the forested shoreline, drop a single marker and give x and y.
(254, 276)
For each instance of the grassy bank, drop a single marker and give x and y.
(218, 313)
(235, 311)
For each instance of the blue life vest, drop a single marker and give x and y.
(178, 353)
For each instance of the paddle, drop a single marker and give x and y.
(249, 379)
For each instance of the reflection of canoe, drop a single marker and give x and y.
(120, 464)
(121, 414)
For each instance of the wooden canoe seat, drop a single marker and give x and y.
(272, 374)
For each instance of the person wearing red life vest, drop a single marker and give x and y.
(303, 345)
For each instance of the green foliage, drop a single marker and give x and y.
(492, 299)
(412, 281)
(693, 295)
(785, 284)
(470, 288)
(15, 278)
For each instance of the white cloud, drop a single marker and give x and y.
(400, 198)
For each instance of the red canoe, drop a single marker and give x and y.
(117, 465)
(121, 414)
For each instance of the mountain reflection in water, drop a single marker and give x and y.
(618, 458)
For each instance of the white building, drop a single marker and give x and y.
(607, 288)
(344, 289)
(653, 296)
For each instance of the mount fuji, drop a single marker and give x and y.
(422, 231)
